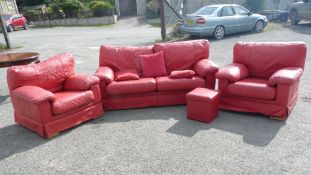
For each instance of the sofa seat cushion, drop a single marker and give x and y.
(66, 101)
(143, 85)
(252, 88)
(165, 83)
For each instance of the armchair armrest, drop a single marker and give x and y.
(80, 82)
(233, 72)
(33, 94)
(286, 76)
(204, 67)
(105, 74)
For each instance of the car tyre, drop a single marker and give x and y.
(219, 32)
(26, 26)
(10, 28)
(259, 26)
(294, 18)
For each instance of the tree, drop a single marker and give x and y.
(255, 5)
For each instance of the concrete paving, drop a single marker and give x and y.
(156, 140)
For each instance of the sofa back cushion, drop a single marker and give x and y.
(265, 58)
(49, 74)
(183, 55)
(123, 58)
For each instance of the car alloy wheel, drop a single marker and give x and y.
(293, 18)
(219, 32)
(26, 26)
(10, 28)
(259, 26)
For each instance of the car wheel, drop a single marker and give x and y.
(26, 26)
(219, 32)
(284, 18)
(259, 26)
(294, 18)
(10, 28)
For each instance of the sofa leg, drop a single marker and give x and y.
(53, 135)
(277, 118)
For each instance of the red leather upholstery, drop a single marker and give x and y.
(167, 84)
(252, 88)
(178, 56)
(233, 72)
(264, 59)
(204, 67)
(203, 104)
(105, 74)
(26, 93)
(182, 74)
(153, 65)
(49, 74)
(122, 58)
(80, 82)
(264, 78)
(70, 100)
(41, 100)
(125, 75)
(183, 55)
(142, 85)
(286, 76)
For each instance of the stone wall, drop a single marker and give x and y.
(78, 21)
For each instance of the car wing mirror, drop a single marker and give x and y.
(250, 13)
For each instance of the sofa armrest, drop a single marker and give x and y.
(105, 74)
(33, 94)
(80, 82)
(233, 72)
(204, 67)
(286, 76)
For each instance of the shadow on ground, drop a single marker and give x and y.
(16, 139)
(303, 28)
(255, 129)
(3, 99)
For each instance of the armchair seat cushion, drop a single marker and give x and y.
(165, 83)
(143, 85)
(66, 101)
(252, 88)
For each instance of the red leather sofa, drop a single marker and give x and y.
(48, 97)
(154, 91)
(263, 78)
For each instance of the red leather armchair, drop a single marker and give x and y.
(49, 98)
(263, 78)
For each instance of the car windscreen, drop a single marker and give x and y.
(6, 17)
(206, 11)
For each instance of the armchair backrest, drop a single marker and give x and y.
(265, 58)
(183, 55)
(121, 58)
(49, 74)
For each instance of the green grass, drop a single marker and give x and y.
(3, 47)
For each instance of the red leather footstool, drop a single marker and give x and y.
(202, 104)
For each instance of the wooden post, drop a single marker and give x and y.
(163, 29)
(5, 32)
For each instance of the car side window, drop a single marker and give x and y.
(227, 11)
(240, 11)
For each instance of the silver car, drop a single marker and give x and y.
(222, 19)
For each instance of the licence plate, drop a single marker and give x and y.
(189, 22)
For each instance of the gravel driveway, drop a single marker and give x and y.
(156, 140)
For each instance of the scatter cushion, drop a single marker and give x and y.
(182, 74)
(125, 75)
(153, 65)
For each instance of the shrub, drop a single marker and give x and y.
(97, 5)
(31, 12)
(153, 8)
